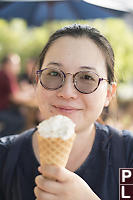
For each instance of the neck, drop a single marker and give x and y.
(84, 140)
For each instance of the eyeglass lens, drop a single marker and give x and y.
(84, 81)
(52, 78)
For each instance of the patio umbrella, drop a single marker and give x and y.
(115, 5)
(38, 12)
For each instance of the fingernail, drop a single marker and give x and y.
(39, 169)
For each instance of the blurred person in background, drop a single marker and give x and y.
(26, 77)
(26, 80)
(11, 97)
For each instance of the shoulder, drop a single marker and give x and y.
(7, 142)
(110, 132)
(120, 142)
(10, 149)
(124, 136)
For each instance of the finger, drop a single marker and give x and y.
(48, 185)
(58, 173)
(39, 169)
(41, 195)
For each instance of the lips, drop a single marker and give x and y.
(66, 109)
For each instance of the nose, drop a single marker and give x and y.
(68, 91)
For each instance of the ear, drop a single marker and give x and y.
(111, 91)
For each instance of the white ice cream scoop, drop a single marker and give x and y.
(58, 126)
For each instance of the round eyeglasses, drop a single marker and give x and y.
(85, 82)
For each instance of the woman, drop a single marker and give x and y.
(75, 78)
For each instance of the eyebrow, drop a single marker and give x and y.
(88, 67)
(55, 63)
(82, 67)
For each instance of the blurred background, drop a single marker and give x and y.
(24, 29)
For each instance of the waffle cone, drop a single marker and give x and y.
(54, 151)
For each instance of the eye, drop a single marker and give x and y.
(54, 73)
(87, 77)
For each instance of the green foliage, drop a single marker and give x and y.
(16, 37)
(121, 39)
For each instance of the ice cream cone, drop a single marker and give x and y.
(55, 139)
(54, 151)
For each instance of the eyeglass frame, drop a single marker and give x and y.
(39, 72)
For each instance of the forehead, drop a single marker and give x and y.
(75, 52)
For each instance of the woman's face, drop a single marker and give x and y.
(72, 55)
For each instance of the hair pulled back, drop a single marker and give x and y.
(77, 30)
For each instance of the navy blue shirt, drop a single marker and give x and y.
(111, 150)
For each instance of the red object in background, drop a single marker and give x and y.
(8, 85)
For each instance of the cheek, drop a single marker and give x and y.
(95, 102)
(40, 95)
(43, 100)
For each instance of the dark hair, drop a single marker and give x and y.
(76, 31)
